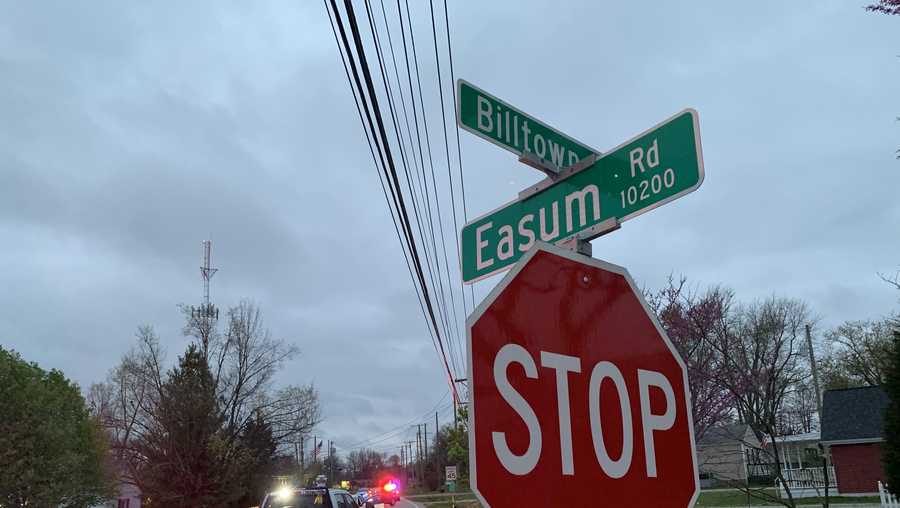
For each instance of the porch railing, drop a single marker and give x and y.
(807, 482)
(888, 500)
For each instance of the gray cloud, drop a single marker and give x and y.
(132, 132)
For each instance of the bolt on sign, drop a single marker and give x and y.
(509, 128)
(649, 170)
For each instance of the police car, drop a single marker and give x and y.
(288, 497)
(389, 494)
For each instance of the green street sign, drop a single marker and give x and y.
(649, 170)
(486, 116)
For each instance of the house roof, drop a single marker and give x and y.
(853, 414)
(730, 433)
(807, 437)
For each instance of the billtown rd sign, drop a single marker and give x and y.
(509, 128)
(649, 170)
(578, 398)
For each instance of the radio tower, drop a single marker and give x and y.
(207, 314)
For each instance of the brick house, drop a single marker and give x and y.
(853, 431)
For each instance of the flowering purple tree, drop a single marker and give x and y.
(691, 320)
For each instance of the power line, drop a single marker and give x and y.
(462, 180)
(415, 206)
(403, 246)
(440, 407)
(447, 151)
(388, 165)
(430, 158)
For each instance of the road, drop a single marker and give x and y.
(404, 503)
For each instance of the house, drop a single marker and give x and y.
(801, 464)
(853, 432)
(733, 455)
(722, 454)
(129, 496)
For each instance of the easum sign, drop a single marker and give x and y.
(647, 171)
(574, 383)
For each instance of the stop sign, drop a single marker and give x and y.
(577, 397)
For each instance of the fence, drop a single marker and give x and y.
(807, 482)
(888, 500)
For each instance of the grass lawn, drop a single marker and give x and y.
(737, 498)
(710, 498)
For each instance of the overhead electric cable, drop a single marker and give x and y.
(369, 84)
(381, 180)
(387, 161)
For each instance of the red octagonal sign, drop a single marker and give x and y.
(577, 396)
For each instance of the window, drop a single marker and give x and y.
(123, 502)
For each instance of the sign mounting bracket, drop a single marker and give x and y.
(553, 178)
(581, 242)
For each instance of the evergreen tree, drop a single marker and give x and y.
(185, 461)
(260, 448)
(892, 419)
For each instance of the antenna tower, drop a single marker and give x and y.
(207, 311)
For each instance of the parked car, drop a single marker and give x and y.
(388, 493)
(309, 498)
(361, 496)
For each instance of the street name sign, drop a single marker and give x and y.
(509, 128)
(577, 396)
(647, 171)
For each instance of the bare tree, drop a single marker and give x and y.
(798, 414)
(243, 361)
(126, 402)
(365, 463)
(860, 352)
(293, 412)
(892, 279)
(691, 320)
(762, 352)
(885, 7)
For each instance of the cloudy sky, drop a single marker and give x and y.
(132, 131)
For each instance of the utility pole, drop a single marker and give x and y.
(425, 441)
(302, 462)
(412, 458)
(456, 402)
(437, 464)
(815, 373)
(409, 458)
(330, 465)
(419, 452)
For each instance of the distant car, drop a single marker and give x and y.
(361, 496)
(309, 498)
(387, 493)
